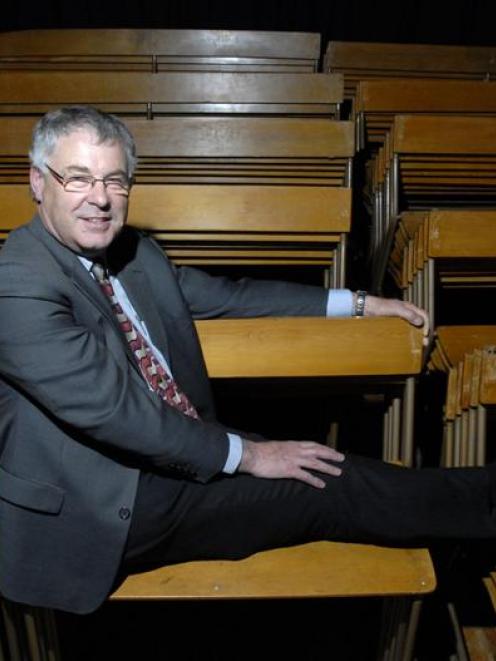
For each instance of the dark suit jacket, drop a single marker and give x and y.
(77, 420)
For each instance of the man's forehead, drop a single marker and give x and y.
(77, 146)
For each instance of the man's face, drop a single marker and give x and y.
(84, 222)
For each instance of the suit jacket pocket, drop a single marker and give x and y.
(34, 495)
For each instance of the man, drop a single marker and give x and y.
(111, 459)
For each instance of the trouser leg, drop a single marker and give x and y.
(232, 517)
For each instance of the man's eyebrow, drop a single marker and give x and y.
(84, 170)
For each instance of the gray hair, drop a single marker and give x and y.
(52, 126)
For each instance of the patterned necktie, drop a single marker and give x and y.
(153, 372)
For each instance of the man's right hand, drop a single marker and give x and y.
(290, 459)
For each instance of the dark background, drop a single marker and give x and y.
(417, 21)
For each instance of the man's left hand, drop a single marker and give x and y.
(393, 307)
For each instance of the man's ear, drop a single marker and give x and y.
(37, 184)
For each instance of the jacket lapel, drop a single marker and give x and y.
(83, 281)
(137, 287)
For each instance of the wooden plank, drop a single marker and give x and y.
(404, 96)
(219, 43)
(431, 134)
(16, 206)
(172, 89)
(388, 59)
(272, 209)
(487, 390)
(462, 234)
(247, 208)
(302, 347)
(320, 569)
(459, 340)
(242, 137)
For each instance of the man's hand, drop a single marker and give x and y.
(290, 459)
(392, 307)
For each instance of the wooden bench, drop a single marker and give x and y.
(172, 93)
(231, 225)
(222, 150)
(242, 348)
(359, 61)
(160, 50)
(318, 570)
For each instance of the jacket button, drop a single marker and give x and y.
(124, 513)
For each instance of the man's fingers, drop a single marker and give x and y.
(308, 478)
(321, 451)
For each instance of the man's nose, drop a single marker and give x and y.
(98, 194)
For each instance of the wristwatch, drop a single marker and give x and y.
(360, 297)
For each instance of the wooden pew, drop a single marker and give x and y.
(172, 93)
(160, 50)
(359, 61)
(194, 150)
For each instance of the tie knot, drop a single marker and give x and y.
(99, 271)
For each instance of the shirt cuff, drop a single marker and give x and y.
(339, 303)
(234, 456)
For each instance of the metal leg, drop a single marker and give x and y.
(430, 300)
(448, 444)
(12, 631)
(472, 437)
(395, 432)
(386, 438)
(415, 608)
(481, 435)
(400, 617)
(408, 422)
(457, 451)
(30, 633)
(464, 439)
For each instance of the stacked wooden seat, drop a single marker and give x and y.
(359, 61)
(160, 50)
(429, 162)
(444, 249)
(468, 355)
(379, 101)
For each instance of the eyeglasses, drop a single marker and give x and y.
(84, 183)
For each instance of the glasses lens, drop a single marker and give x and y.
(78, 184)
(116, 185)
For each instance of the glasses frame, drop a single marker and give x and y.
(91, 180)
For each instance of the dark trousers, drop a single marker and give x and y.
(373, 502)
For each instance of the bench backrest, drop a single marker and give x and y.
(172, 93)
(215, 150)
(160, 50)
(226, 224)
